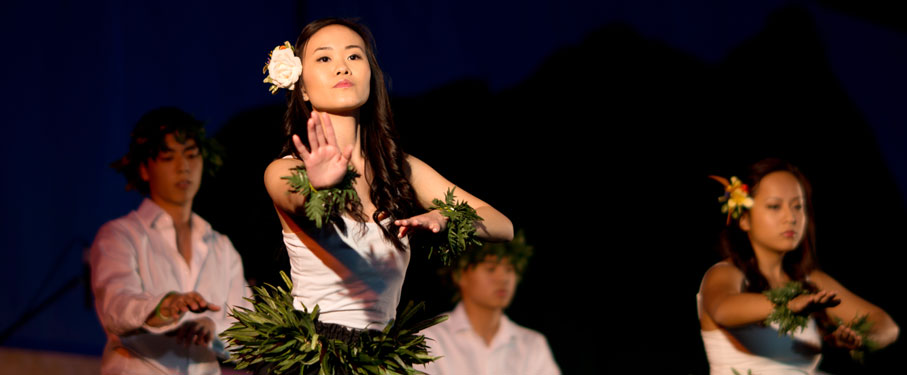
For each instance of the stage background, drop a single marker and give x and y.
(592, 126)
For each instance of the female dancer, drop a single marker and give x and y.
(353, 268)
(770, 246)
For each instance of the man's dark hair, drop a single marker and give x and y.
(147, 141)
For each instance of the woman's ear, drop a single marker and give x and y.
(745, 222)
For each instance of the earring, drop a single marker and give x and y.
(305, 97)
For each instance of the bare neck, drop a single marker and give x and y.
(484, 321)
(771, 266)
(346, 128)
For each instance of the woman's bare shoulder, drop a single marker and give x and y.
(282, 165)
(823, 280)
(724, 266)
(278, 169)
(723, 272)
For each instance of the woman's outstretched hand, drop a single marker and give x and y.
(431, 220)
(845, 337)
(325, 164)
(814, 302)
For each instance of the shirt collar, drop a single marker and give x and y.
(459, 322)
(506, 332)
(154, 216)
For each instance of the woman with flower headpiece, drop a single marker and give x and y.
(348, 255)
(765, 308)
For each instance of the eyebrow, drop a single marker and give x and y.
(331, 48)
(165, 148)
(799, 198)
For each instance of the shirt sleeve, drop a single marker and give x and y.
(237, 294)
(542, 361)
(121, 301)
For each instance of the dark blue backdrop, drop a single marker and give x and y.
(78, 75)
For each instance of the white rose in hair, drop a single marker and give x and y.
(283, 68)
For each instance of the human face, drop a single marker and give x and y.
(489, 284)
(175, 175)
(777, 220)
(335, 70)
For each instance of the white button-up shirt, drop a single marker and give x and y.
(134, 264)
(513, 350)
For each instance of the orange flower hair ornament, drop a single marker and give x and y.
(736, 197)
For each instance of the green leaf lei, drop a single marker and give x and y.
(461, 228)
(276, 338)
(518, 251)
(321, 204)
(861, 325)
(787, 320)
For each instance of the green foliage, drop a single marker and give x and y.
(212, 153)
(461, 229)
(517, 252)
(276, 338)
(320, 205)
(862, 326)
(787, 320)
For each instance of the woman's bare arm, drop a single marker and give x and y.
(725, 302)
(884, 330)
(429, 185)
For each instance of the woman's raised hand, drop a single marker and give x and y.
(431, 220)
(325, 164)
(814, 302)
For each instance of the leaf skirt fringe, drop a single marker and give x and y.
(275, 338)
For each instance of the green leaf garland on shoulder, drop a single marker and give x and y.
(321, 204)
(275, 338)
(460, 232)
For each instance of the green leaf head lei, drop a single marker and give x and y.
(517, 252)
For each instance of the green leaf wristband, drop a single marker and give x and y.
(861, 326)
(460, 233)
(787, 320)
(321, 204)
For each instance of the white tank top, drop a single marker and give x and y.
(354, 276)
(765, 351)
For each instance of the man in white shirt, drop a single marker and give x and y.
(163, 279)
(478, 338)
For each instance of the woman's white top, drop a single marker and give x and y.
(353, 274)
(761, 349)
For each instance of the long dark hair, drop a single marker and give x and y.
(385, 163)
(735, 243)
